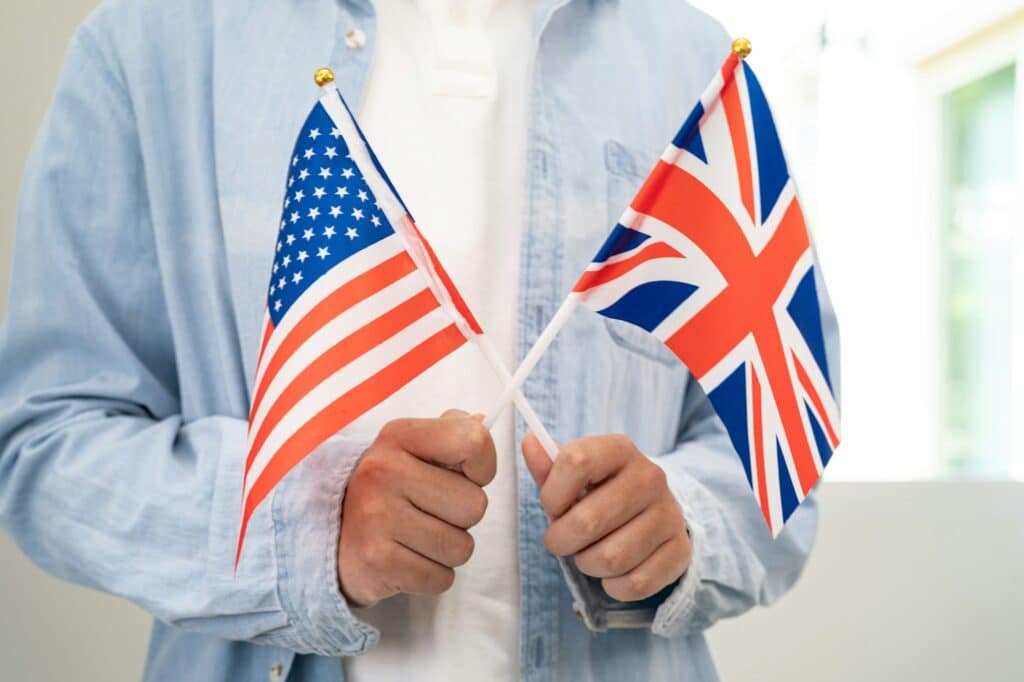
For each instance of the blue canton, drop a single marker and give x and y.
(329, 213)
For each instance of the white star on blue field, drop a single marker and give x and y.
(329, 213)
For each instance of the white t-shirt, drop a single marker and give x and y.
(446, 112)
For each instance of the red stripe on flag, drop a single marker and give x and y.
(754, 285)
(740, 144)
(353, 346)
(344, 411)
(780, 382)
(762, 483)
(610, 271)
(805, 381)
(448, 284)
(341, 299)
(745, 306)
(729, 68)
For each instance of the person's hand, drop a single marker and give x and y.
(406, 510)
(627, 529)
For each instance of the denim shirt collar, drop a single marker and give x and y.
(248, 110)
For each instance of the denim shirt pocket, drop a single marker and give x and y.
(643, 380)
(625, 171)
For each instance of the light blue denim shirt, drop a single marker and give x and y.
(145, 230)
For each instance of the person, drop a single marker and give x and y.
(410, 544)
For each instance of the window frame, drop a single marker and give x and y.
(997, 46)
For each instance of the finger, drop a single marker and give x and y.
(537, 460)
(579, 463)
(627, 547)
(453, 413)
(448, 495)
(605, 508)
(404, 570)
(667, 563)
(450, 441)
(433, 538)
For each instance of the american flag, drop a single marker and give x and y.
(357, 306)
(714, 259)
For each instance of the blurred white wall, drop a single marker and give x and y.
(910, 581)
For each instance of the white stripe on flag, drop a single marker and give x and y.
(660, 231)
(719, 174)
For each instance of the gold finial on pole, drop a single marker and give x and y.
(741, 47)
(323, 77)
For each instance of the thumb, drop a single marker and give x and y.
(537, 461)
(454, 414)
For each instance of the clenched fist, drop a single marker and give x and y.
(408, 505)
(627, 529)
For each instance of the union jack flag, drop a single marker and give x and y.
(357, 306)
(714, 259)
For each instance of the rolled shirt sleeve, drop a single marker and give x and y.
(103, 481)
(735, 563)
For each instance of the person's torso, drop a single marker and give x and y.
(445, 110)
(220, 87)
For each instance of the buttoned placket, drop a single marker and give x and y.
(540, 285)
(540, 292)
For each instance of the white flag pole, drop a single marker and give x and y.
(396, 215)
(532, 357)
(525, 409)
(741, 49)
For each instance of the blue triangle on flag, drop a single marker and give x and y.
(787, 494)
(620, 240)
(688, 137)
(729, 399)
(824, 448)
(772, 172)
(803, 308)
(648, 304)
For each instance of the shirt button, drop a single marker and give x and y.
(355, 39)
(277, 672)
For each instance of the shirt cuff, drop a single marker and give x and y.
(671, 612)
(306, 512)
(678, 613)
